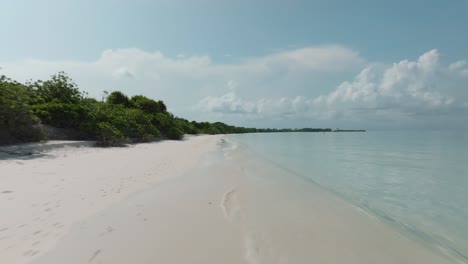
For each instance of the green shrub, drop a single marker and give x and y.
(185, 126)
(174, 133)
(17, 121)
(59, 89)
(143, 103)
(108, 135)
(132, 123)
(62, 115)
(167, 124)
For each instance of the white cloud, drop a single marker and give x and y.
(322, 59)
(459, 67)
(301, 84)
(228, 103)
(157, 73)
(400, 85)
(401, 91)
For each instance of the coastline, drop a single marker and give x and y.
(226, 206)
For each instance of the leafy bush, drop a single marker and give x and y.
(132, 123)
(108, 135)
(63, 115)
(168, 126)
(174, 133)
(186, 126)
(17, 121)
(139, 124)
(59, 89)
(143, 103)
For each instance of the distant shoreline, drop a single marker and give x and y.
(347, 130)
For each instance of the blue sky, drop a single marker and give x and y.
(267, 63)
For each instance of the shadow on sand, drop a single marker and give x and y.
(29, 151)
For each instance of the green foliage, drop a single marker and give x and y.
(118, 98)
(186, 126)
(132, 123)
(62, 115)
(58, 102)
(59, 89)
(168, 125)
(108, 135)
(17, 122)
(148, 105)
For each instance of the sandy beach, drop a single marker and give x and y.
(201, 200)
(43, 195)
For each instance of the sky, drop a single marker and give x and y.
(319, 63)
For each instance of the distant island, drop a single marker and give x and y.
(349, 130)
(57, 109)
(307, 129)
(322, 130)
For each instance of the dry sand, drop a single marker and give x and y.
(43, 195)
(86, 205)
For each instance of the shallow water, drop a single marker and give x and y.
(416, 181)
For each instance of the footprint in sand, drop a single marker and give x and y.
(230, 205)
(251, 249)
(254, 245)
(258, 249)
(30, 253)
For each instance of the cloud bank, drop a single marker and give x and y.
(314, 84)
(403, 91)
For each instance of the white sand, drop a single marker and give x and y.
(238, 210)
(43, 195)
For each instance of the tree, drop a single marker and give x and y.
(58, 101)
(118, 98)
(146, 104)
(59, 89)
(161, 107)
(166, 123)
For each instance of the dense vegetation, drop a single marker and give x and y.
(28, 111)
(26, 108)
(17, 120)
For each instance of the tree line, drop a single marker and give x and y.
(26, 110)
(58, 102)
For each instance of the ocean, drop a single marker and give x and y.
(416, 181)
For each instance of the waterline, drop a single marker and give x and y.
(412, 180)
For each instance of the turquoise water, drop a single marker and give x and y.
(417, 181)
